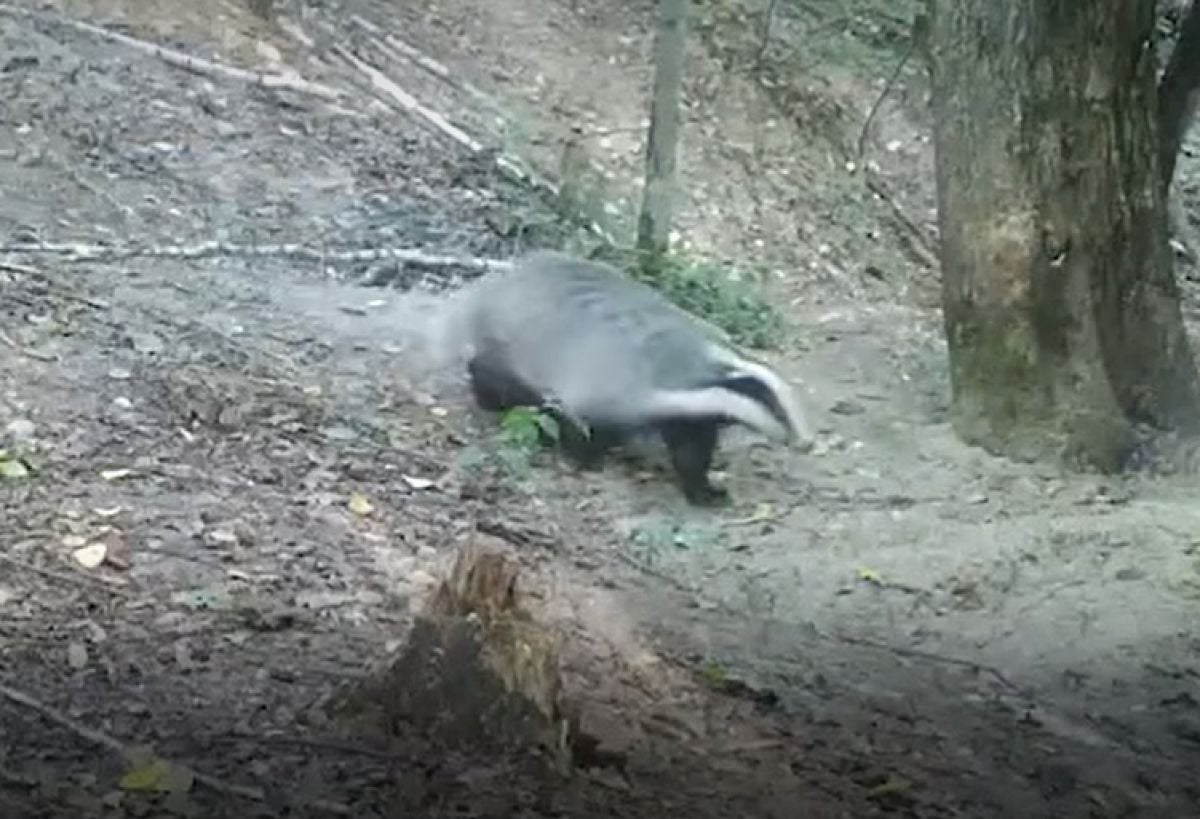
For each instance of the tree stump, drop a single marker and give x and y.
(476, 671)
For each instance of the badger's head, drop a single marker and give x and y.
(742, 392)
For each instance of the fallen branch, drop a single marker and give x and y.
(34, 354)
(196, 65)
(920, 247)
(916, 40)
(397, 49)
(407, 102)
(393, 93)
(81, 252)
(115, 746)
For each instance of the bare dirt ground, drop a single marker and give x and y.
(895, 625)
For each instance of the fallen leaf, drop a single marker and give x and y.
(417, 483)
(870, 576)
(148, 777)
(115, 474)
(77, 656)
(13, 469)
(359, 504)
(74, 541)
(90, 556)
(157, 775)
(183, 656)
(894, 784)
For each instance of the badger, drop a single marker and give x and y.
(613, 359)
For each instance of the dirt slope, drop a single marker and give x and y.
(921, 630)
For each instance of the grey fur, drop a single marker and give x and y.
(617, 355)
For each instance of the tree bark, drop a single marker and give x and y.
(1061, 310)
(654, 222)
(1179, 92)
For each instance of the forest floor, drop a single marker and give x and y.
(893, 625)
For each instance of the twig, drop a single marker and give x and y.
(89, 252)
(58, 717)
(196, 65)
(920, 654)
(309, 742)
(767, 23)
(115, 746)
(887, 87)
(34, 354)
(72, 578)
(921, 247)
(398, 49)
(407, 102)
(68, 293)
(517, 536)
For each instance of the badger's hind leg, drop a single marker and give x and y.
(497, 389)
(586, 448)
(691, 444)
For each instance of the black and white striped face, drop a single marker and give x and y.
(747, 393)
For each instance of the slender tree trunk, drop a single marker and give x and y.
(1179, 92)
(1061, 311)
(654, 223)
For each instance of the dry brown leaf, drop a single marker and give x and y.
(90, 556)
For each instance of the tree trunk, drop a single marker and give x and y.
(1179, 92)
(654, 223)
(1061, 310)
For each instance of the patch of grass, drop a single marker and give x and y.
(705, 290)
(522, 435)
(525, 428)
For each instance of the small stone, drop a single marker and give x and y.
(422, 579)
(20, 429)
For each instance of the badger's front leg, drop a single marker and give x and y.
(691, 444)
(495, 387)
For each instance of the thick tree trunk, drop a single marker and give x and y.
(1061, 311)
(654, 223)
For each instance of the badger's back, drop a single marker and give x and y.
(587, 335)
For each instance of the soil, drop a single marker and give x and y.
(893, 625)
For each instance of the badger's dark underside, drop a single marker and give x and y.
(691, 442)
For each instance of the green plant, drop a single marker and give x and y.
(704, 290)
(523, 432)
